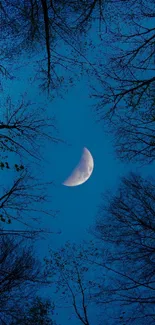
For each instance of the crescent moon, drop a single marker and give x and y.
(83, 170)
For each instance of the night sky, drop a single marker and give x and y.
(77, 127)
(76, 206)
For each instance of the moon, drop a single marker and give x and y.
(82, 171)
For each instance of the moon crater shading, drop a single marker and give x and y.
(83, 170)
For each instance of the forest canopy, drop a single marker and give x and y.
(109, 44)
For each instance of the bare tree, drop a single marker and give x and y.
(73, 281)
(21, 276)
(126, 227)
(4, 73)
(23, 129)
(23, 197)
(23, 202)
(134, 137)
(57, 29)
(126, 88)
(39, 312)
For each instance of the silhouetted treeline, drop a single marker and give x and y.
(111, 279)
(21, 277)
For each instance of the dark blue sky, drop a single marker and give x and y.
(78, 205)
(77, 126)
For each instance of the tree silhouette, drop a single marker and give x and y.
(53, 27)
(21, 276)
(125, 225)
(23, 129)
(126, 83)
(37, 313)
(134, 137)
(23, 133)
(68, 271)
(24, 200)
